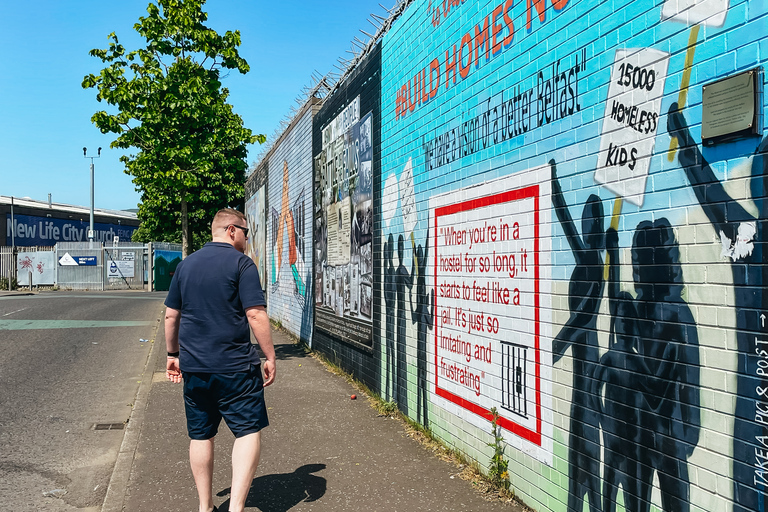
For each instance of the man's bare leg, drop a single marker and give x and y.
(245, 460)
(201, 460)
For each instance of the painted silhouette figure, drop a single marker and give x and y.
(741, 235)
(404, 280)
(584, 294)
(390, 299)
(669, 419)
(622, 373)
(423, 317)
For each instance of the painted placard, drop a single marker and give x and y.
(696, 12)
(491, 278)
(631, 120)
(407, 198)
(389, 202)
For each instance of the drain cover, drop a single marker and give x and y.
(109, 426)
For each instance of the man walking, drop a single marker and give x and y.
(214, 297)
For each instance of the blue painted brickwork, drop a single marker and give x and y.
(622, 403)
(626, 364)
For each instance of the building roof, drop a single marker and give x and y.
(31, 203)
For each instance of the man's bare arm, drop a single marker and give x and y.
(172, 321)
(259, 322)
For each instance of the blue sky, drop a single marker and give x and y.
(45, 113)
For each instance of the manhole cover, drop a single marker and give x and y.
(109, 426)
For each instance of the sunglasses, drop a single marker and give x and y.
(245, 230)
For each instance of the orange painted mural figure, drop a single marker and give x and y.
(286, 217)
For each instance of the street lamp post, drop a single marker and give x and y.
(98, 155)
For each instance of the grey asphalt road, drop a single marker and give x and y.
(68, 361)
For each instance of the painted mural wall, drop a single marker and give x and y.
(289, 228)
(346, 148)
(558, 244)
(256, 214)
(344, 226)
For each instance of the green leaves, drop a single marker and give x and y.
(173, 110)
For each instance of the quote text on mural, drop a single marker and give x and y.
(486, 300)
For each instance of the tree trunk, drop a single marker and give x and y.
(186, 235)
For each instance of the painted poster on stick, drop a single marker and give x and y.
(343, 227)
(389, 201)
(408, 198)
(492, 303)
(631, 120)
(694, 12)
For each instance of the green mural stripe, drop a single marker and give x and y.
(23, 325)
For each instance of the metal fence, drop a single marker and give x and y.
(7, 265)
(91, 266)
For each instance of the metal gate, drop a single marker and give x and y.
(82, 267)
(124, 266)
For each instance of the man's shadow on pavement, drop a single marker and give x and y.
(283, 491)
(285, 351)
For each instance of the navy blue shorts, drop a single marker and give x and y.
(236, 397)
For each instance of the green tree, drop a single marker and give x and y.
(172, 108)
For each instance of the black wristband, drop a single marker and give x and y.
(173, 354)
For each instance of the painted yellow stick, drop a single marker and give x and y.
(615, 225)
(683, 94)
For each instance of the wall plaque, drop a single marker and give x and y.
(731, 108)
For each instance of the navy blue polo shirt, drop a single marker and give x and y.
(212, 288)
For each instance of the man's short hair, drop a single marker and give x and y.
(225, 216)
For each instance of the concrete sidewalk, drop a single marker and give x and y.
(15, 293)
(322, 451)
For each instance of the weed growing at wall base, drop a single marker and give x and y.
(498, 472)
(4, 283)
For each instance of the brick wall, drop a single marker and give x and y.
(256, 208)
(514, 135)
(347, 163)
(551, 240)
(289, 228)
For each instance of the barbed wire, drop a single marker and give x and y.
(323, 86)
